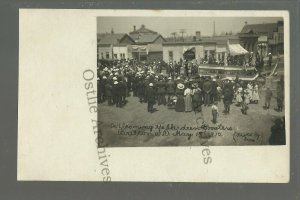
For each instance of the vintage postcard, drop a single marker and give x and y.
(154, 96)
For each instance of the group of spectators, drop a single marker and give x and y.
(185, 92)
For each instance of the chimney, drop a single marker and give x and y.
(194, 38)
(198, 35)
(134, 28)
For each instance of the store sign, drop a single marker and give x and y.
(262, 38)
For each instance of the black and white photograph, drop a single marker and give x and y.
(190, 81)
(154, 95)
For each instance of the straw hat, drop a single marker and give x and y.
(169, 78)
(151, 84)
(116, 82)
(115, 78)
(104, 77)
(180, 86)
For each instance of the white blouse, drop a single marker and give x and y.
(187, 91)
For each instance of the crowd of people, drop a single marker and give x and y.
(185, 92)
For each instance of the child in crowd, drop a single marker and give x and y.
(214, 111)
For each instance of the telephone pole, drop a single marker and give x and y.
(214, 29)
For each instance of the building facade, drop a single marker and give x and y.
(263, 38)
(176, 51)
(201, 50)
(113, 46)
(147, 44)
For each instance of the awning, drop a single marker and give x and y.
(236, 49)
(139, 48)
(189, 49)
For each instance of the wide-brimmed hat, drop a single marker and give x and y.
(116, 82)
(169, 78)
(151, 84)
(104, 77)
(115, 78)
(180, 86)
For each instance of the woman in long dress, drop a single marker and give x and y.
(247, 96)
(180, 106)
(239, 96)
(197, 98)
(255, 95)
(249, 89)
(188, 99)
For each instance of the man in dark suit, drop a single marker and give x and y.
(161, 92)
(228, 96)
(116, 91)
(150, 97)
(207, 87)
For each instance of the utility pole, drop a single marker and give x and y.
(214, 29)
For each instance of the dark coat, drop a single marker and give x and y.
(161, 87)
(228, 95)
(108, 89)
(151, 95)
(171, 87)
(207, 86)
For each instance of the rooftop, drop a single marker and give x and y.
(267, 28)
(110, 38)
(142, 30)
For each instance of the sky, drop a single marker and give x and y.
(166, 25)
